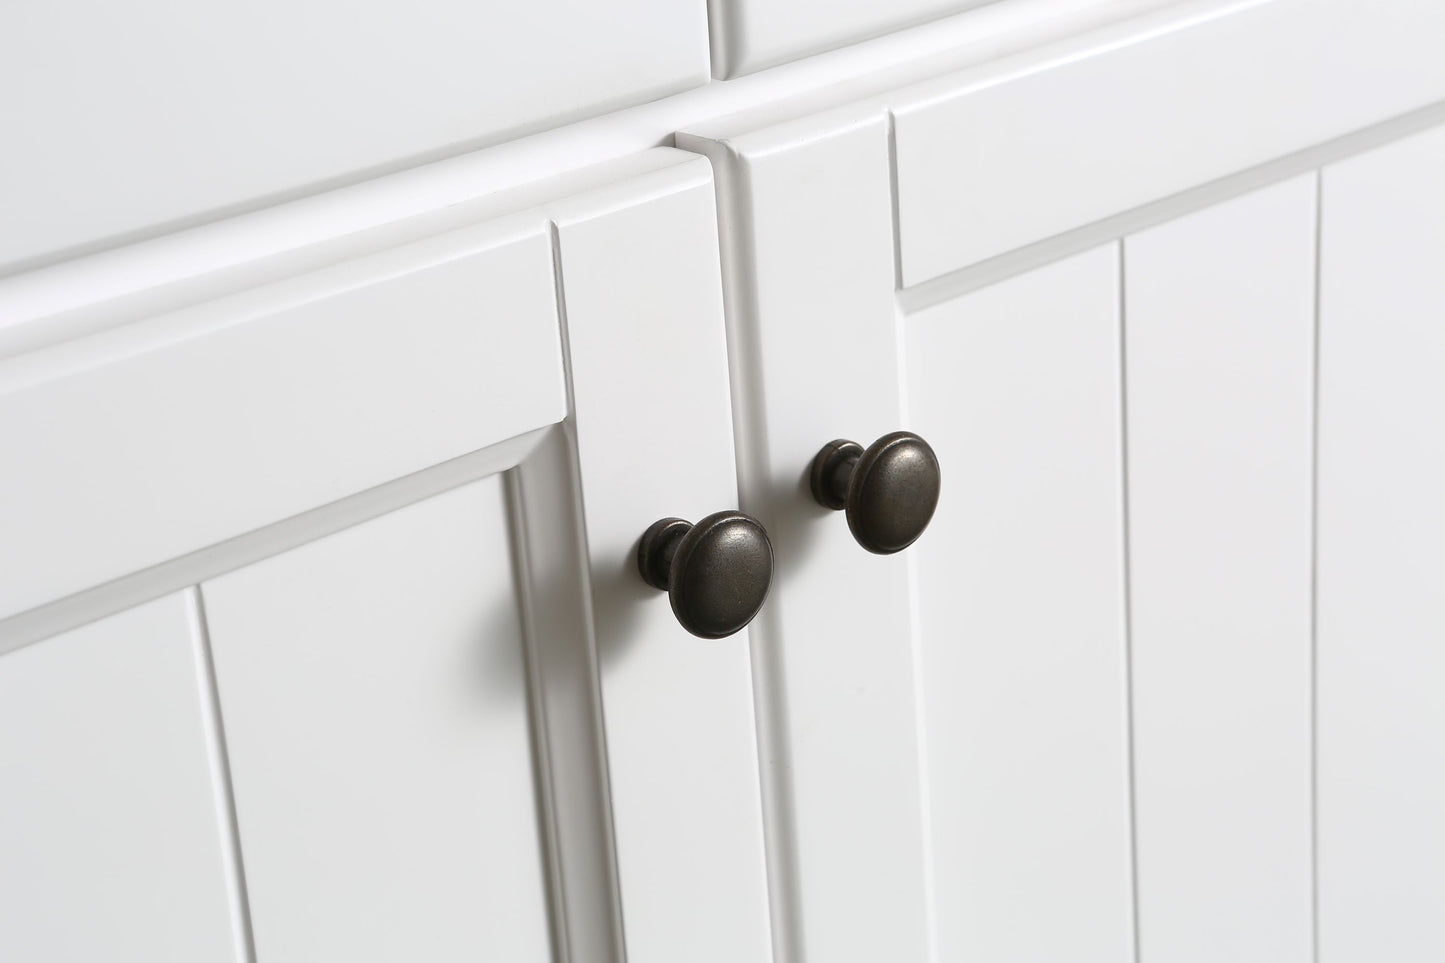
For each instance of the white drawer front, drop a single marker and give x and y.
(120, 118)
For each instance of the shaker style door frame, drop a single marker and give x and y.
(341, 382)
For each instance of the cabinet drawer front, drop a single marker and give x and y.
(160, 438)
(122, 119)
(749, 35)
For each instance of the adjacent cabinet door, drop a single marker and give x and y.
(1162, 679)
(325, 636)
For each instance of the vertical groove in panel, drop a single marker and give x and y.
(1315, 580)
(1127, 614)
(215, 732)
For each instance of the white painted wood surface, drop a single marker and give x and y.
(1023, 149)
(1020, 616)
(161, 437)
(375, 705)
(649, 378)
(1382, 556)
(119, 120)
(815, 357)
(115, 829)
(748, 35)
(1220, 364)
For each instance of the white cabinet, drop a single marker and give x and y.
(322, 630)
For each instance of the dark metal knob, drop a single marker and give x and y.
(889, 490)
(716, 573)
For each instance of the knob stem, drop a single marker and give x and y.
(658, 548)
(832, 472)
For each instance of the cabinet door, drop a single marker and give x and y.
(947, 728)
(1079, 718)
(451, 719)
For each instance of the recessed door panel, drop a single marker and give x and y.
(375, 705)
(115, 830)
(1381, 643)
(1020, 616)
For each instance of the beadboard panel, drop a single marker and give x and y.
(1220, 360)
(159, 438)
(375, 703)
(1020, 609)
(1381, 614)
(115, 839)
(993, 159)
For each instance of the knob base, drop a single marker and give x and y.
(657, 548)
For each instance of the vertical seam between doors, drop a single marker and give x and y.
(1314, 575)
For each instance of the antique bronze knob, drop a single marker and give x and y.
(716, 573)
(888, 490)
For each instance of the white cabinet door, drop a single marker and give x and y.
(116, 840)
(414, 533)
(1078, 719)
(1381, 641)
(946, 729)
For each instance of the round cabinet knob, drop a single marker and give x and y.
(716, 573)
(889, 489)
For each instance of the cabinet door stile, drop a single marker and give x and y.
(812, 330)
(640, 281)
